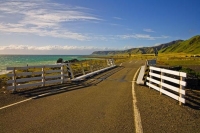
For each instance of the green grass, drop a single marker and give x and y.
(177, 59)
(191, 45)
(190, 72)
(3, 79)
(181, 59)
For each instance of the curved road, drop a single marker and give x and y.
(102, 103)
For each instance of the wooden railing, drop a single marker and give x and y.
(35, 76)
(22, 77)
(168, 82)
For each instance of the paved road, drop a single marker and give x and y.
(101, 104)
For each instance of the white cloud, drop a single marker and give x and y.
(148, 30)
(130, 47)
(142, 36)
(127, 47)
(156, 44)
(117, 18)
(61, 33)
(42, 18)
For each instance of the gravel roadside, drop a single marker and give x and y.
(160, 113)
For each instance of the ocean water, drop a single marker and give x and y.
(23, 60)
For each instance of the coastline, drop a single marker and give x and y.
(23, 60)
(3, 72)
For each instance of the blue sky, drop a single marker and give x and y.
(83, 26)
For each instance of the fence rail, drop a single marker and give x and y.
(54, 74)
(168, 82)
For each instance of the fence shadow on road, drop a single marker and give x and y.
(193, 99)
(99, 78)
(40, 92)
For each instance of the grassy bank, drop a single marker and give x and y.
(178, 59)
(189, 63)
(3, 80)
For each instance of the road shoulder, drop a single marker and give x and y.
(160, 113)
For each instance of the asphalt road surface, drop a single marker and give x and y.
(102, 103)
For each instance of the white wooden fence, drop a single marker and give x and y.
(25, 79)
(162, 80)
(48, 74)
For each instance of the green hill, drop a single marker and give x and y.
(191, 46)
(142, 50)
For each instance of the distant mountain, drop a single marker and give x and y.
(191, 46)
(143, 50)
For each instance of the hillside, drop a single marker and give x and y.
(191, 46)
(142, 50)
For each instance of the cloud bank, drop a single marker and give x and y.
(51, 49)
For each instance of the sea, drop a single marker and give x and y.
(24, 60)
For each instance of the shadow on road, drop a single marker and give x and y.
(40, 92)
(193, 99)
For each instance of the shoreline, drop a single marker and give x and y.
(3, 72)
(23, 60)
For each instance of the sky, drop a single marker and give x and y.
(79, 27)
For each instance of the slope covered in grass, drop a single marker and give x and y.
(191, 46)
(142, 50)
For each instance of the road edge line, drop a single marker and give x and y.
(15, 103)
(38, 96)
(136, 113)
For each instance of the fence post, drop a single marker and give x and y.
(14, 79)
(82, 69)
(180, 89)
(108, 62)
(62, 74)
(146, 63)
(43, 76)
(150, 71)
(161, 81)
(113, 62)
(90, 63)
(87, 66)
(69, 71)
